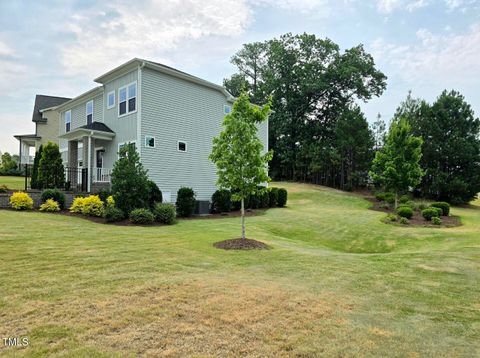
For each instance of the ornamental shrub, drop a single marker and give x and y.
(405, 212)
(77, 205)
(392, 217)
(154, 194)
(444, 206)
(93, 206)
(3, 188)
(272, 197)
(380, 196)
(282, 197)
(141, 216)
(110, 202)
(165, 213)
(221, 201)
(390, 198)
(21, 201)
(436, 221)
(404, 199)
(429, 213)
(263, 199)
(403, 221)
(103, 194)
(50, 206)
(113, 214)
(54, 194)
(185, 202)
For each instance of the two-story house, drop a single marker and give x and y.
(46, 120)
(169, 115)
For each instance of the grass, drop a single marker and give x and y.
(16, 183)
(338, 282)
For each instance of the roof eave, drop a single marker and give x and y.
(77, 100)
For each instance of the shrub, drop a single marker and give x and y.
(141, 216)
(154, 194)
(113, 214)
(272, 197)
(429, 213)
(93, 206)
(77, 205)
(50, 206)
(403, 221)
(221, 201)
(282, 197)
(264, 199)
(185, 202)
(436, 221)
(422, 206)
(384, 206)
(3, 188)
(21, 201)
(103, 194)
(380, 196)
(165, 213)
(404, 199)
(405, 212)
(392, 217)
(51, 173)
(411, 204)
(390, 198)
(444, 206)
(54, 194)
(110, 201)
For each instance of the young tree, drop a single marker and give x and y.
(130, 186)
(379, 131)
(51, 173)
(8, 163)
(34, 184)
(396, 165)
(237, 152)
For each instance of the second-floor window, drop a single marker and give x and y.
(68, 120)
(89, 110)
(127, 99)
(111, 100)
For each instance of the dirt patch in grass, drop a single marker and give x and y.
(417, 218)
(241, 244)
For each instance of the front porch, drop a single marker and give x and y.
(28, 143)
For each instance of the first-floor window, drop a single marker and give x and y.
(89, 110)
(149, 142)
(68, 120)
(121, 145)
(227, 109)
(182, 146)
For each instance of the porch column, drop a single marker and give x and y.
(88, 144)
(73, 171)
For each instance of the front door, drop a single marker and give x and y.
(99, 164)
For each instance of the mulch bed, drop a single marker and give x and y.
(241, 244)
(417, 218)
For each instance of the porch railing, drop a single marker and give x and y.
(102, 175)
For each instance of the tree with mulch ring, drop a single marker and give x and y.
(241, 244)
(241, 167)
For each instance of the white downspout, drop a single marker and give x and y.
(139, 110)
(89, 161)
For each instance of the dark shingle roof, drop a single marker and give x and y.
(97, 126)
(42, 102)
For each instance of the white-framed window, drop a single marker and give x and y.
(182, 146)
(111, 100)
(227, 109)
(89, 111)
(149, 141)
(127, 99)
(68, 120)
(121, 145)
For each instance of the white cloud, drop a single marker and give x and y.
(387, 6)
(298, 5)
(5, 49)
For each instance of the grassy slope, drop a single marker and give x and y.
(338, 282)
(13, 182)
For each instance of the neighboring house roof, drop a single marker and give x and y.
(43, 102)
(20, 136)
(97, 126)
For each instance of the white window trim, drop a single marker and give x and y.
(136, 99)
(126, 142)
(186, 146)
(225, 107)
(86, 111)
(108, 95)
(69, 121)
(154, 141)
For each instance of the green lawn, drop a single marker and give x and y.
(337, 282)
(13, 182)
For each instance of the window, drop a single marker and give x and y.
(182, 146)
(111, 100)
(121, 145)
(68, 120)
(149, 142)
(227, 109)
(89, 110)
(127, 99)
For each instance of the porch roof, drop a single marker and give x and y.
(96, 130)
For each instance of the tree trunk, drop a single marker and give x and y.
(243, 218)
(396, 199)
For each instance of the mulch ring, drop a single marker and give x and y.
(241, 244)
(417, 218)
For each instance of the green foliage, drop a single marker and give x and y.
(141, 216)
(154, 194)
(3, 188)
(221, 201)
(391, 217)
(165, 213)
(103, 194)
(439, 210)
(436, 220)
(390, 198)
(272, 197)
(442, 205)
(404, 221)
(50, 206)
(380, 196)
(51, 173)
(404, 199)
(54, 194)
(8, 165)
(384, 206)
(113, 214)
(129, 180)
(396, 165)
(429, 213)
(185, 202)
(405, 212)
(36, 163)
(282, 197)
(21, 201)
(422, 205)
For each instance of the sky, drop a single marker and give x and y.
(57, 47)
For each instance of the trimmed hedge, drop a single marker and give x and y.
(103, 194)
(405, 211)
(154, 194)
(282, 197)
(436, 221)
(185, 202)
(222, 201)
(429, 213)
(54, 194)
(442, 205)
(165, 213)
(272, 197)
(113, 214)
(142, 216)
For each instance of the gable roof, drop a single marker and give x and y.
(97, 126)
(43, 102)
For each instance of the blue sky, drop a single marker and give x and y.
(57, 47)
